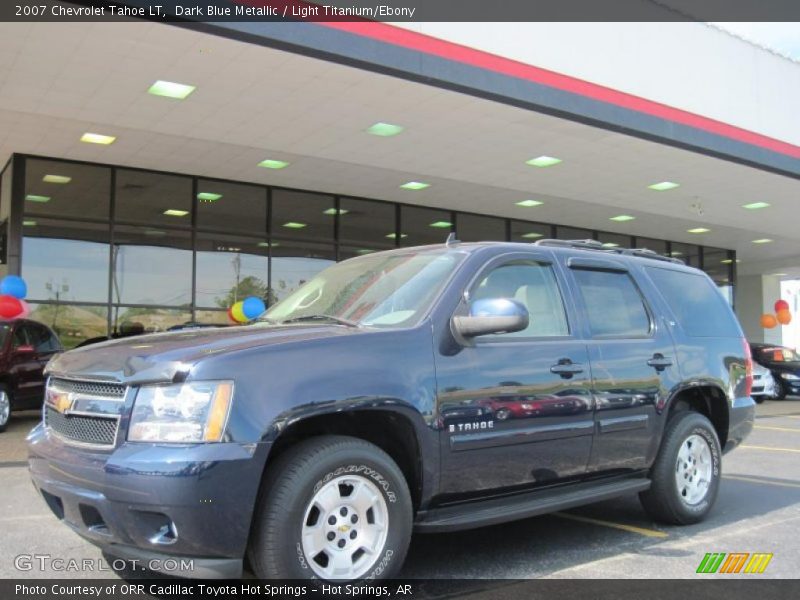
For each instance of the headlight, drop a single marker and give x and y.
(189, 412)
(790, 376)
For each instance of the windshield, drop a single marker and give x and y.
(777, 354)
(384, 290)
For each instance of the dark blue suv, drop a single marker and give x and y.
(421, 389)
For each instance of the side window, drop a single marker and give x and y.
(696, 302)
(41, 339)
(534, 285)
(20, 336)
(613, 303)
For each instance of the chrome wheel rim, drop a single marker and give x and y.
(5, 408)
(345, 528)
(694, 469)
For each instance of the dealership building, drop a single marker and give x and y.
(156, 173)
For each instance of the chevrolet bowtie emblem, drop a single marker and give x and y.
(343, 528)
(60, 401)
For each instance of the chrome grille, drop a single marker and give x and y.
(89, 388)
(84, 429)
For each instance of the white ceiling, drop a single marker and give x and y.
(58, 81)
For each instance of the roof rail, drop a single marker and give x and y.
(598, 246)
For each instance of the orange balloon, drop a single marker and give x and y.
(784, 316)
(768, 321)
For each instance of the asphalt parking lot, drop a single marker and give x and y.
(758, 510)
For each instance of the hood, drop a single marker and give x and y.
(170, 356)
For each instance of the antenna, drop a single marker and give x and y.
(451, 239)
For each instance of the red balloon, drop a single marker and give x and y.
(10, 307)
(781, 305)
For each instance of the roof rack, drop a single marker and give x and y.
(598, 247)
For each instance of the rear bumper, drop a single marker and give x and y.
(178, 510)
(740, 422)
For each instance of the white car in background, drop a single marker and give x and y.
(763, 384)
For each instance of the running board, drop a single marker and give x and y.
(530, 504)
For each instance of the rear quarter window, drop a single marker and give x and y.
(697, 304)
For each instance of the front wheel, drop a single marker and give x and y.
(685, 476)
(758, 399)
(333, 508)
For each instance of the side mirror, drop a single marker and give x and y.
(24, 350)
(492, 315)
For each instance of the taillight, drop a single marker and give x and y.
(748, 368)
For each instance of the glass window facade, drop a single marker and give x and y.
(108, 249)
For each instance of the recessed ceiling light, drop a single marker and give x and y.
(532, 235)
(208, 196)
(29, 223)
(676, 253)
(762, 241)
(333, 212)
(174, 212)
(415, 185)
(780, 274)
(56, 179)
(610, 245)
(529, 203)
(384, 129)
(698, 230)
(268, 244)
(543, 161)
(663, 186)
(441, 224)
(364, 251)
(622, 218)
(98, 138)
(755, 205)
(294, 225)
(729, 261)
(393, 236)
(273, 164)
(170, 89)
(155, 232)
(35, 198)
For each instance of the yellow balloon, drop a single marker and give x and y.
(237, 310)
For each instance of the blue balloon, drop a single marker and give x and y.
(253, 307)
(13, 285)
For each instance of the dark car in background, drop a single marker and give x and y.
(784, 363)
(25, 348)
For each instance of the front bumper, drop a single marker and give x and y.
(740, 422)
(149, 503)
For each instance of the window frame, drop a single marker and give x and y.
(617, 269)
(507, 258)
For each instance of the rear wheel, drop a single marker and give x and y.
(5, 408)
(685, 476)
(333, 508)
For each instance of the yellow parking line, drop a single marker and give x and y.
(748, 447)
(753, 480)
(631, 528)
(794, 429)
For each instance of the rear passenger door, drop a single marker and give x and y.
(632, 358)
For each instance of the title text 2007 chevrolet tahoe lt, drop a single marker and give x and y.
(427, 389)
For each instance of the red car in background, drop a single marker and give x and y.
(25, 348)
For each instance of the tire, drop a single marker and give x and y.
(688, 435)
(5, 408)
(780, 390)
(758, 399)
(317, 486)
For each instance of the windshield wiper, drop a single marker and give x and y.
(338, 320)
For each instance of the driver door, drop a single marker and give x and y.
(516, 409)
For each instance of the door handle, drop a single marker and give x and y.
(660, 362)
(566, 368)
